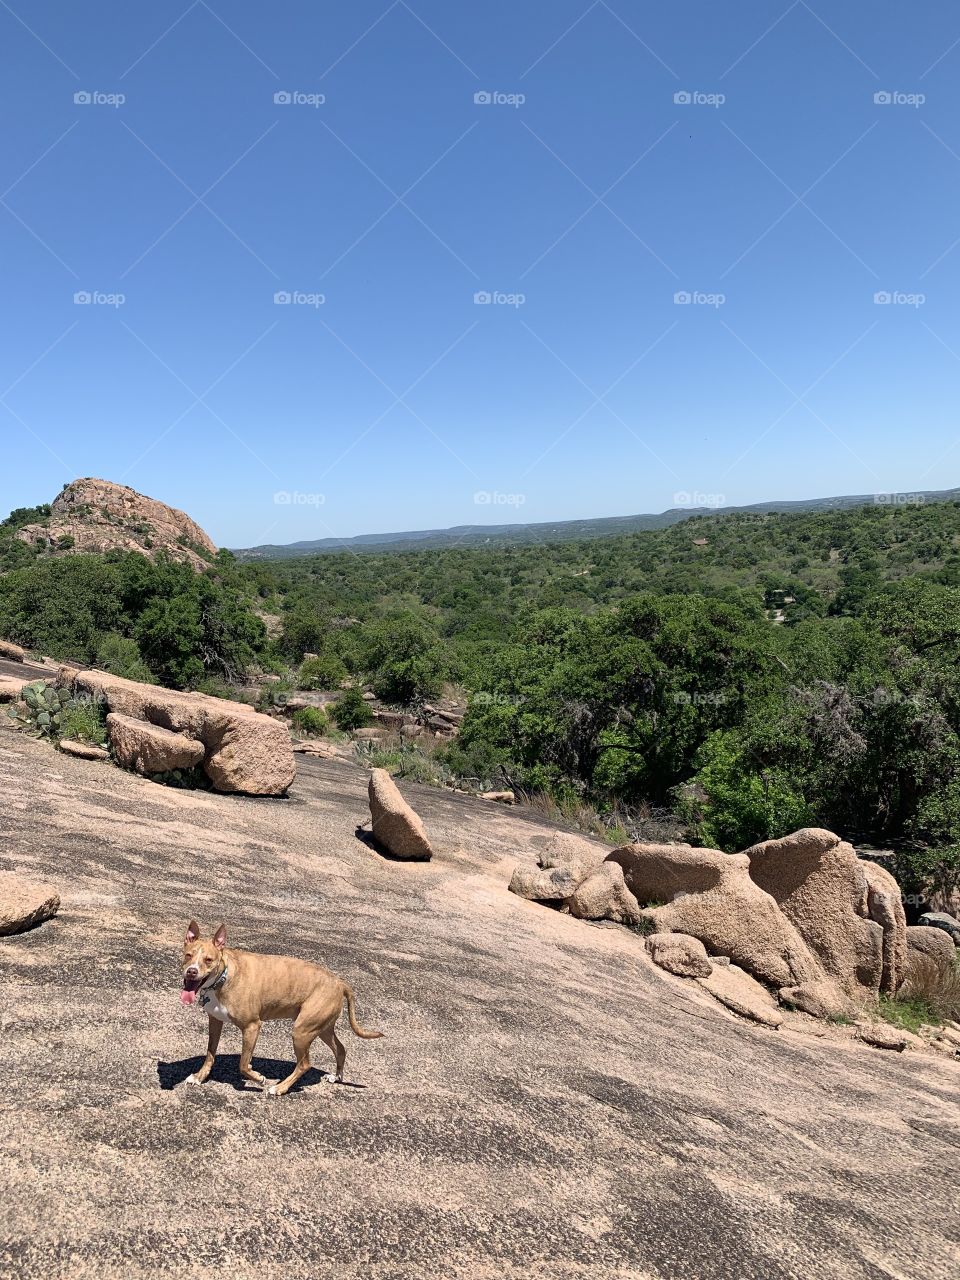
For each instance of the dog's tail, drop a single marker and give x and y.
(355, 1026)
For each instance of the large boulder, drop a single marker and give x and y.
(680, 953)
(572, 853)
(929, 943)
(940, 920)
(541, 884)
(885, 908)
(244, 751)
(603, 895)
(395, 825)
(742, 994)
(11, 687)
(11, 652)
(710, 895)
(820, 885)
(146, 748)
(24, 903)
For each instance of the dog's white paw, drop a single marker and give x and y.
(191, 1079)
(272, 1091)
(328, 1077)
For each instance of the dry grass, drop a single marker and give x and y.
(934, 985)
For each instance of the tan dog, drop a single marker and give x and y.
(251, 989)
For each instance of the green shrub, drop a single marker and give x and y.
(274, 694)
(325, 671)
(350, 711)
(121, 657)
(310, 722)
(82, 719)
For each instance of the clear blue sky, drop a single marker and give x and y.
(398, 399)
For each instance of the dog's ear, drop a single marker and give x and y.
(193, 932)
(220, 937)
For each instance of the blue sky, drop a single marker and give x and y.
(582, 192)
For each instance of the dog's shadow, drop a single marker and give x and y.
(226, 1070)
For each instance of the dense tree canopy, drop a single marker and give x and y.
(750, 673)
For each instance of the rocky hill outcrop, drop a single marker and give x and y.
(92, 515)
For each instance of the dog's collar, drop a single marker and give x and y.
(217, 983)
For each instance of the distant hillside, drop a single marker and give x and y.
(467, 535)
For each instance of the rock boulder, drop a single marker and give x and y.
(395, 825)
(146, 748)
(680, 953)
(244, 751)
(742, 994)
(940, 920)
(885, 908)
(603, 895)
(83, 750)
(821, 887)
(24, 903)
(931, 944)
(710, 895)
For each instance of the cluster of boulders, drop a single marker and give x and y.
(155, 731)
(802, 915)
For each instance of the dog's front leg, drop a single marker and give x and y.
(213, 1039)
(250, 1033)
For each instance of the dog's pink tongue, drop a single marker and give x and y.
(187, 997)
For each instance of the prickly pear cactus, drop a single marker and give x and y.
(40, 709)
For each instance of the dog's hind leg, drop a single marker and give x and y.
(303, 1038)
(250, 1033)
(330, 1038)
(213, 1039)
